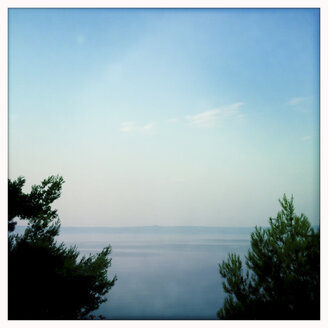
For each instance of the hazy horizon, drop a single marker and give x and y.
(168, 117)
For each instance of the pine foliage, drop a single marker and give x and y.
(48, 280)
(282, 275)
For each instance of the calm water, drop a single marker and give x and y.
(163, 273)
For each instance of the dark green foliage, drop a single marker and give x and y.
(282, 279)
(48, 280)
(43, 221)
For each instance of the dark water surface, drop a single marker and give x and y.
(163, 272)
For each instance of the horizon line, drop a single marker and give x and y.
(150, 226)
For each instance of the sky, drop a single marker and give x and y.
(169, 117)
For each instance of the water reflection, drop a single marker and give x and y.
(163, 275)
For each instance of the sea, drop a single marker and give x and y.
(162, 272)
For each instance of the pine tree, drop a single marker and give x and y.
(48, 280)
(282, 275)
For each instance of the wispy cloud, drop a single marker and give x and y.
(150, 127)
(295, 101)
(80, 39)
(131, 126)
(128, 126)
(305, 138)
(212, 118)
(301, 104)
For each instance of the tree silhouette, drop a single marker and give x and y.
(282, 279)
(48, 280)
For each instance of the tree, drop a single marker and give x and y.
(48, 280)
(282, 278)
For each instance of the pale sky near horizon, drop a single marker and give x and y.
(167, 116)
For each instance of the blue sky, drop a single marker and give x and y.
(167, 116)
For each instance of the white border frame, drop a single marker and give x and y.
(6, 4)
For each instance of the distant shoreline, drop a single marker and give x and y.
(155, 229)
